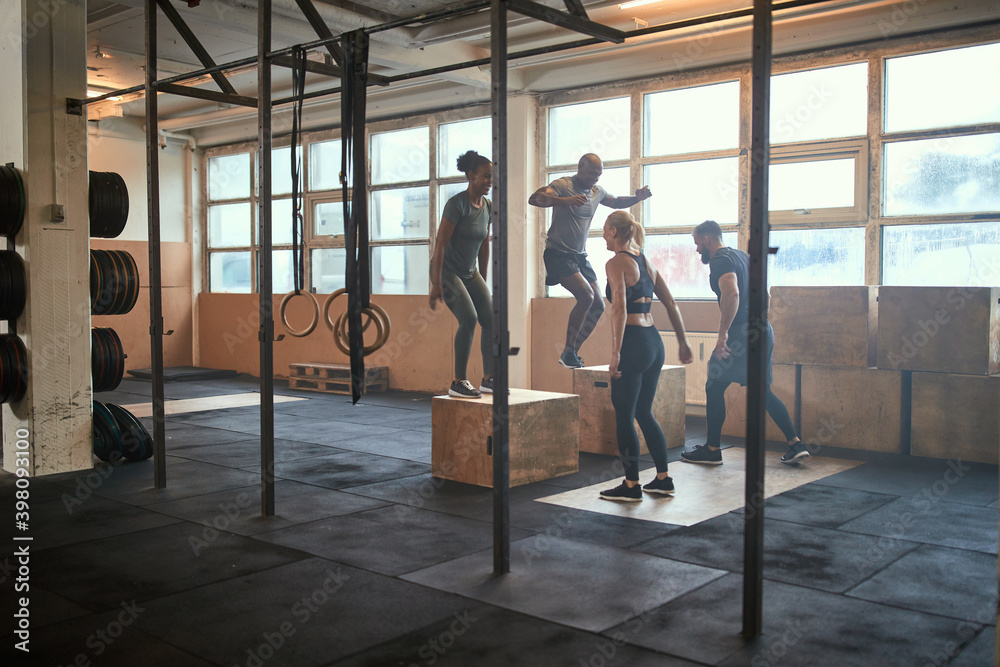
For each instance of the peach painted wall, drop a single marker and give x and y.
(133, 328)
(548, 335)
(419, 353)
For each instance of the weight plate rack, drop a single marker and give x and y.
(107, 435)
(136, 443)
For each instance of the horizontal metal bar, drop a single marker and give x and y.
(469, 8)
(713, 18)
(565, 20)
(322, 30)
(210, 95)
(192, 41)
(311, 66)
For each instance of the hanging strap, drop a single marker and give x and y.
(354, 178)
(298, 221)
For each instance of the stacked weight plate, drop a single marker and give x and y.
(13, 368)
(107, 359)
(12, 201)
(119, 435)
(13, 285)
(114, 282)
(108, 204)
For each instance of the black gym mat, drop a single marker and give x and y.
(184, 374)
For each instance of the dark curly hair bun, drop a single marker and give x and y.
(470, 161)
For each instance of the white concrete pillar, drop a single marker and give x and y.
(42, 62)
(522, 230)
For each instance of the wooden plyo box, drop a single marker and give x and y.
(940, 329)
(824, 326)
(736, 404)
(955, 417)
(544, 437)
(854, 408)
(597, 415)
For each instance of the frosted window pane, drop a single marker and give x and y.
(281, 170)
(281, 221)
(328, 219)
(819, 104)
(400, 269)
(399, 214)
(966, 254)
(811, 185)
(282, 279)
(454, 139)
(229, 225)
(689, 120)
(400, 157)
(229, 177)
(230, 272)
(942, 89)
(817, 257)
(324, 165)
(328, 266)
(594, 127)
(687, 193)
(945, 175)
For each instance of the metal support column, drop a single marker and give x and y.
(753, 547)
(500, 334)
(153, 213)
(264, 283)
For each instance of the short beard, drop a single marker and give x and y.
(706, 257)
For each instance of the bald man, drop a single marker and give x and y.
(574, 201)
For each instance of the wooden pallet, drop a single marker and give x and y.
(335, 378)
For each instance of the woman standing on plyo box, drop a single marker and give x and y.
(462, 239)
(637, 354)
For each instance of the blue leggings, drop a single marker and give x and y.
(632, 396)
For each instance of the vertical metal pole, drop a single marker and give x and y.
(153, 215)
(500, 334)
(753, 546)
(264, 284)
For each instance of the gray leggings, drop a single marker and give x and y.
(470, 301)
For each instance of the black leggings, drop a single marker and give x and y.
(715, 411)
(632, 396)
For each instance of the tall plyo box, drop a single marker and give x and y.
(956, 417)
(939, 329)
(824, 326)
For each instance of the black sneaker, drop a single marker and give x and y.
(570, 360)
(663, 486)
(623, 493)
(702, 454)
(486, 386)
(795, 452)
(464, 389)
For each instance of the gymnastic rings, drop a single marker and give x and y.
(341, 336)
(299, 333)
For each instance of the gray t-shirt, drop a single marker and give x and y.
(471, 227)
(570, 224)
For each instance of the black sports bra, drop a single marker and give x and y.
(642, 289)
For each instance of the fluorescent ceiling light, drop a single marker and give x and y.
(97, 93)
(636, 3)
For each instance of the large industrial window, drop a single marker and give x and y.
(407, 193)
(940, 186)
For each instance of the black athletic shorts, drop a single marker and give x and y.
(559, 264)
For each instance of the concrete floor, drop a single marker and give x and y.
(371, 561)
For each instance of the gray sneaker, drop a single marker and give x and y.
(795, 452)
(569, 359)
(464, 389)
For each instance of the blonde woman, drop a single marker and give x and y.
(637, 354)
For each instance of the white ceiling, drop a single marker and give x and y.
(228, 31)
